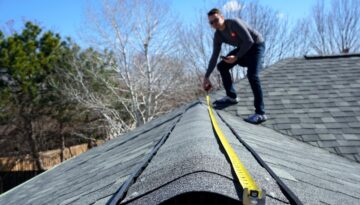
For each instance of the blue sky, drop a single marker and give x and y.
(66, 16)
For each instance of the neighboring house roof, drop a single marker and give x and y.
(177, 158)
(314, 99)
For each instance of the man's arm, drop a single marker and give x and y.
(214, 56)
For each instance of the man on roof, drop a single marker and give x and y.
(249, 52)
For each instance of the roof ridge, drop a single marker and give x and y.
(342, 55)
(201, 154)
(121, 192)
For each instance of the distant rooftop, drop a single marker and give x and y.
(345, 55)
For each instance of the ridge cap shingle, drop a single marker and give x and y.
(343, 55)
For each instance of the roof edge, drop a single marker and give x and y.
(345, 55)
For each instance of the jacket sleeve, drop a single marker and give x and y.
(215, 54)
(244, 37)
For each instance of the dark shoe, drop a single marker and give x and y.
(256, 119)
(227, 100)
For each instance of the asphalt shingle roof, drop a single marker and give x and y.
(315, 100)
(313, 174)
(96, 175)
(191, 160)
(198, 164)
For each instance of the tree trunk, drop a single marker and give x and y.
(62, 157)
(32, 142)
(1, 185)
(91, 143)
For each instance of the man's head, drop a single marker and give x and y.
(216, 19)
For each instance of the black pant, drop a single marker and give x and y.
(253, 60)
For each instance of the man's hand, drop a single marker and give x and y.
(207, 84)
(230, 59)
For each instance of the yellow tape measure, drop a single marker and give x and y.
(252, 194)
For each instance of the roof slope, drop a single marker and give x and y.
(97, 174)
(313, 174)
(315, 100)
(192, 161)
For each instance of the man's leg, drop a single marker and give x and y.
(254, 67)
(224, 69)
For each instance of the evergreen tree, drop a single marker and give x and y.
(27, 61)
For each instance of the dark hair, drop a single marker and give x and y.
(214, 11)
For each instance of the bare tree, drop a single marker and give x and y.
(320, 39)
(346, 25)
(298, 43)
(79, 84)
(335, 29)
(143, 49)
(195, 47)
(273, 26)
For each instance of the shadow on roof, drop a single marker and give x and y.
(200, 198)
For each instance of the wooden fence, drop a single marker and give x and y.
(16, 170)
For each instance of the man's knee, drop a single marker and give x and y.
(253, 77)
(221, 66)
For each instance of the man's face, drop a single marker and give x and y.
(216, 21)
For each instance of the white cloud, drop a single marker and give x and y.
(232, 6)
(280, 15)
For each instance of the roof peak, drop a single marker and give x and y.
(344, 55)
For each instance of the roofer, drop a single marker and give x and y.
(248, 53)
